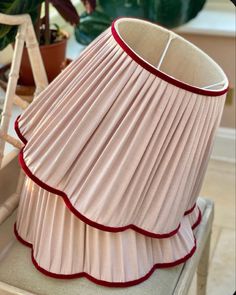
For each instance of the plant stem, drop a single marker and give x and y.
(47, 25)
(37, 24)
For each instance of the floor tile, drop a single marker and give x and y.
(221, 279)
(219, 185)
(215, 235)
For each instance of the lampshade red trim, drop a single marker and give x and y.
(159, 73)
(190, 210)
(198, 219)
(18, 132)
(75, 211)
(105, 283)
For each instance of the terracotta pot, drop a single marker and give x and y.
(53, 55)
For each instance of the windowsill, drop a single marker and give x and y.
(215, 19)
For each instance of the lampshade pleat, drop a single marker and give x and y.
(63, 244)
(115, 152)
(155, 118)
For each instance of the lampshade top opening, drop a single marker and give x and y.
(170, 55)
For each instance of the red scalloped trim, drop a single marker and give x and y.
(157, 72)
(198, 219)
(18, 132)
(106, 283)
(75, 211)
(190, 210)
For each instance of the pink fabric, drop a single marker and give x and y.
(98, 148)
(64, 245)
(126, 152)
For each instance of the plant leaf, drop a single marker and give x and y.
(91, 25)
(66, 10)
(90, 5)
(12, 7)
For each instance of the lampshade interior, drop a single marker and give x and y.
(171, 54)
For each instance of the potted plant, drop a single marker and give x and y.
(52, 40)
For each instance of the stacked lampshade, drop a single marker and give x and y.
(115, 154)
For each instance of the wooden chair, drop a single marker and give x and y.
(25, 36)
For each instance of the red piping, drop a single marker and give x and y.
(18, 132)
(198, 219)
(105, 283)
(190, 210)
(75, 211)
(159, 73)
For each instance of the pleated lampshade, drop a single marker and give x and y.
(115, 153)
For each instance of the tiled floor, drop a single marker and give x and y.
(219, 185)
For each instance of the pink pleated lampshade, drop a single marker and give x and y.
(115, 153)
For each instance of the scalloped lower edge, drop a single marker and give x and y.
(106, 283)
(75, 211)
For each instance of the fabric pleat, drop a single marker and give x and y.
(115, 153)
(109, 133)
(64, 245)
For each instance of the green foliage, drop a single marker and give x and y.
(91, 25)
(67, 10)
(7, 33)
(168, 13)
(194, 7)
(13, 7)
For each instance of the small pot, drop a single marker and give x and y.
(53, 55)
